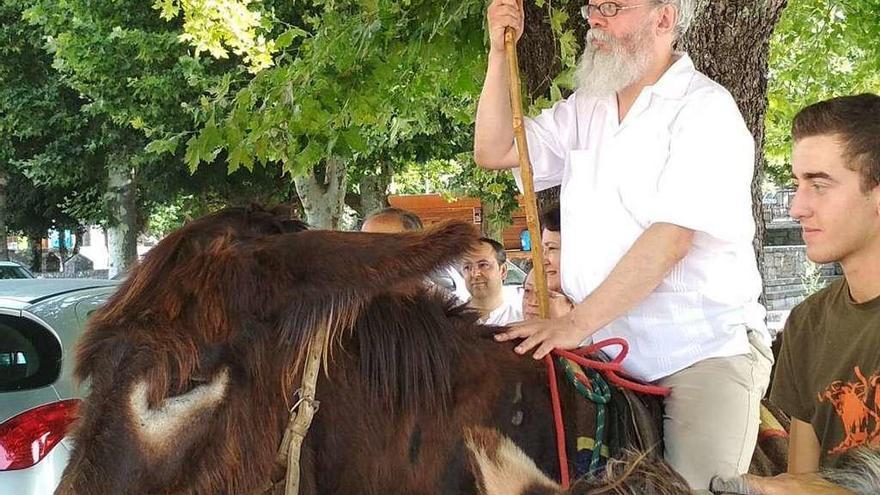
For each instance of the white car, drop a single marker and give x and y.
(40, 320)
(11, 269)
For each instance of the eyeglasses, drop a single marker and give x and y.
(607, 9)
(481, 266)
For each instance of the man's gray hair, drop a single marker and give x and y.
(686, 11)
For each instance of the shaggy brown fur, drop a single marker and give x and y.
(192, 364)
(214, 324)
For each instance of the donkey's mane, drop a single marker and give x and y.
(409, 347)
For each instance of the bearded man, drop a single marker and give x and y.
(655, 163)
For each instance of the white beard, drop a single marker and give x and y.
(603, 73)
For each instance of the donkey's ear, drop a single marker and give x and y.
(352, 260)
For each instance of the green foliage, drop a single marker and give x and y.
(212, 25)
(377, 83)
(50, 150)
(126, 62)
(126, 91)
(171, 215)
(366, 81)
(433, 176)
(820, 49)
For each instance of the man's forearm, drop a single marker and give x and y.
(493, 135)
(804, 449)
(635, 276)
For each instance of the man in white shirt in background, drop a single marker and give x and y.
(655, 166)
(484, 269)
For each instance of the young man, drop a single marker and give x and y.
(484, 269)
(643, 139)
(828, 375)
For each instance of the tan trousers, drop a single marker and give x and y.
(711, 416)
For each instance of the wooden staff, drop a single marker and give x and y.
(525, 169)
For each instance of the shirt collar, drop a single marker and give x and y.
(675, 81)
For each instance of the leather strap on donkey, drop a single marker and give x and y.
(301, 414)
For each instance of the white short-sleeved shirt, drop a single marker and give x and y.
(684, 156)
(505, 314)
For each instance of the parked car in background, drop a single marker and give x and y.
(516, 277)
(40, 321)
(11, 269)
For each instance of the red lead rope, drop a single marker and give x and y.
(609, 369)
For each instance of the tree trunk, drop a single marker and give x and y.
(4, 248)
(35, 243)
(323, 194)
(374, 191)
(78, 240)
(62, 246)
(730, 42)
(122, 230)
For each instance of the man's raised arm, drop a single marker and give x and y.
(494, 147)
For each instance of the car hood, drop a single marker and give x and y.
(20, 293)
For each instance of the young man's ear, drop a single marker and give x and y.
(503, 271)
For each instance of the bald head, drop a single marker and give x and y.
(391, 221)
(383, 224)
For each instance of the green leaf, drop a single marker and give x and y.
(287, 37)
(238, 157)
(354, 140)
(193, 153)
(160, 146)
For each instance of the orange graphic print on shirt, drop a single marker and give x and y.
(857, 405)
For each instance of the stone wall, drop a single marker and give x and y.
(783, 234)
(788, 281)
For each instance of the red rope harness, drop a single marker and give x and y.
(611, 370)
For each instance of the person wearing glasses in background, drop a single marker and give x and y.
(484, 268)
(655, 163)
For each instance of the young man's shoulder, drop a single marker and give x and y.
(805, 316)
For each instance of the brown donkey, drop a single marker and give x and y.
(194, 362)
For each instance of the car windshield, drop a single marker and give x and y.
(12, 271)
(515, 275)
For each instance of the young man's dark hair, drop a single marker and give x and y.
(853, 119)
(500, 254)
(550, 218)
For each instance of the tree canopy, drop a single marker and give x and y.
(208, 103)
(820, 49)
